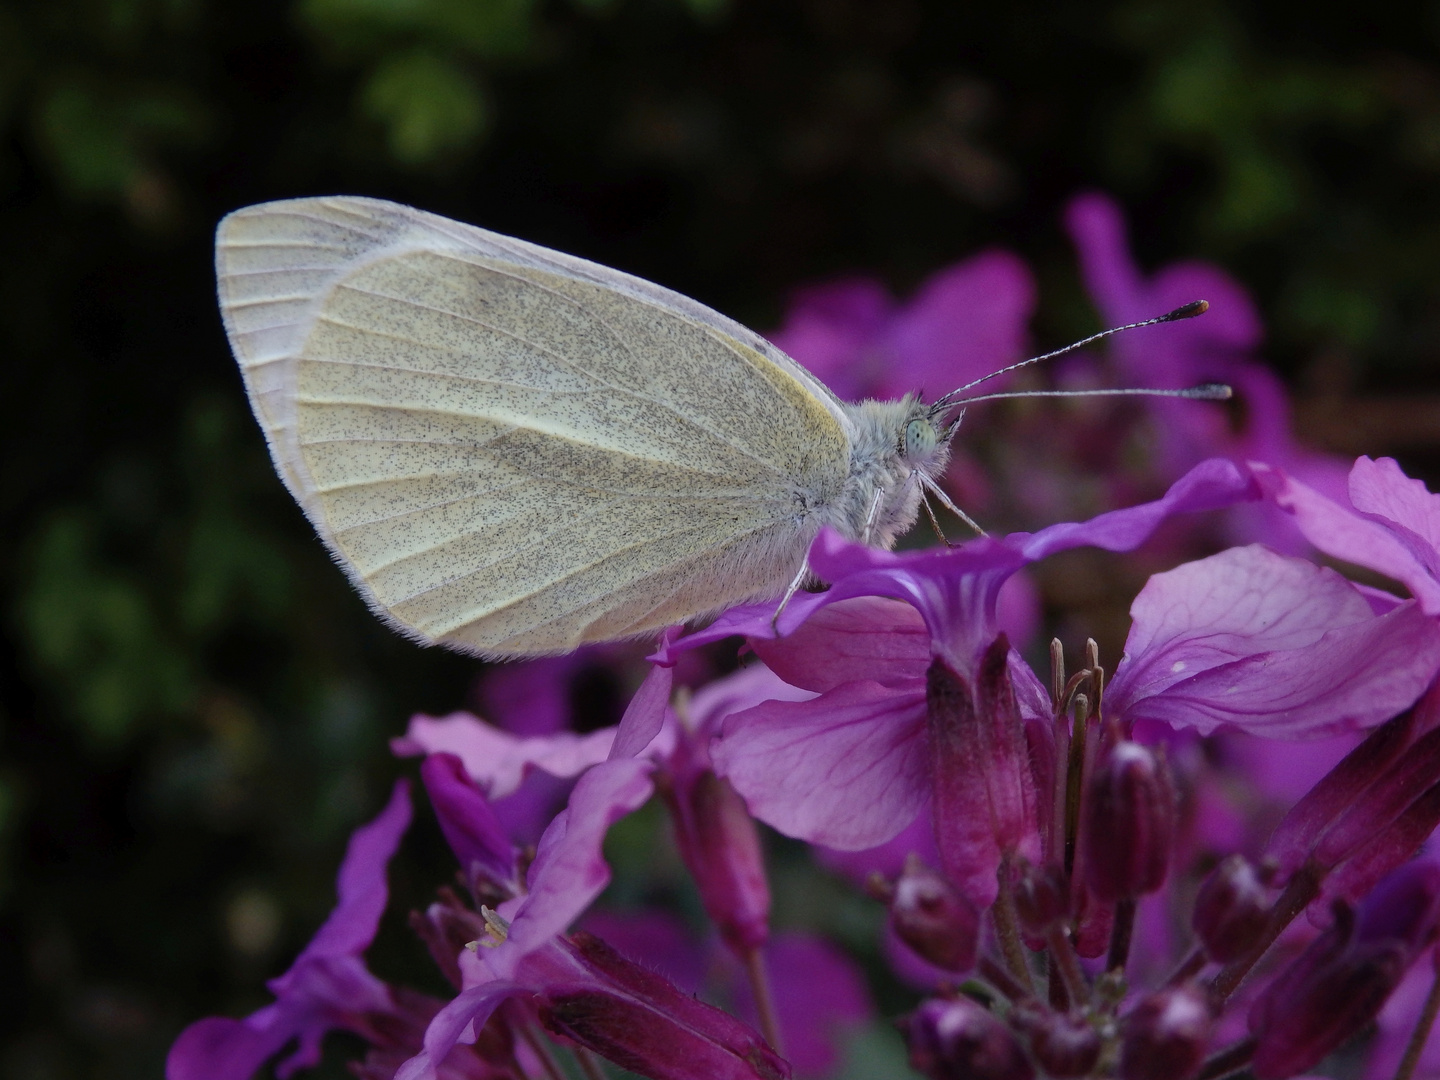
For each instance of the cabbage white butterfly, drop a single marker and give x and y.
(515, 452)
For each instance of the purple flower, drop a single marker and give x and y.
(327, 987)
(497, 760)
(593, 996)
(1271, 645)
(1391, 523)
(1209, 349)
(1337, 986)
(851, 768)
(486, 855)
(955, 1039)
(716, 835)
(963, 323)
(820, 994)
(1371, 812)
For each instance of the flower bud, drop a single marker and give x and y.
(1335, 987)
(1165, 1036)
(637, 1037)
(983, 792)
(958, 1040)
(1042, 898)
(1062, 1044)
(642, 1022)
(1130, 815)
(1231, 909)
(933, 919)
(721, 847)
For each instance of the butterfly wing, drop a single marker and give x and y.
(510, 450)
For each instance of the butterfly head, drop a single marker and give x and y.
(924, 437)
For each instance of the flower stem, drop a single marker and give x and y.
(1007, 930)
(764, 999)
(1067, 964)
(1188, 968)
(1421, 1034)
(995, 974)
(526, 1030)
(1303, 887)
(1075, 779)
(1120, 935)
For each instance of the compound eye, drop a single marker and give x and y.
(920, 438)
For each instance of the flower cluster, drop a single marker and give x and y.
(1197, 861)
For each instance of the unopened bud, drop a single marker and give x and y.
(1062, 1044)
(933, 919)
(1335, 987)
(642, 1022)
(958, 1040)
(1130, 814)
(1165, 1036)
(721, 847)
(1042, 897)
(1231, 909)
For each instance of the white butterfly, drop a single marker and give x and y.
(515, 452)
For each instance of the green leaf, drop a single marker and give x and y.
(430, 107)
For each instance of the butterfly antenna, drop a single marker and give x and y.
(1203, 392)
(1185, 311)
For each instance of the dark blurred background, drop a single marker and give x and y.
(195, 707)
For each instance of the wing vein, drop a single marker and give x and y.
(570, 365)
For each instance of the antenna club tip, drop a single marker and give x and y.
(1187, 311)
(1214, 392)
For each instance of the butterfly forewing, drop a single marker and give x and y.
(512, 451)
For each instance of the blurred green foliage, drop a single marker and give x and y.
(194, 708)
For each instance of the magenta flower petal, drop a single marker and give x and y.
(1171, 355)
(1273, 645)
(965, 322)
(569, 869)
(820, 998)
(360, 885)
(1366, 538)
(468, 1011)
(887, 859)
(1381, 489)
(1211, 485)
(834, 330)
(218, 1048)
(867, 637)
(713, 703)
(847, 769)
(327, 986)
(645, 715)
(532, 697)
(472, 830)
(497, 760)
(1097, 228)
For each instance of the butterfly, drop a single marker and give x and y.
(515, 452)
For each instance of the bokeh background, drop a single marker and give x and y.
(193, 706)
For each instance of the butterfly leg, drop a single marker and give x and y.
(873, 515)
(793, 588)
(934, 522)
(932, 487)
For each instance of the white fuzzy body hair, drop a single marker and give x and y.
(878, 464)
